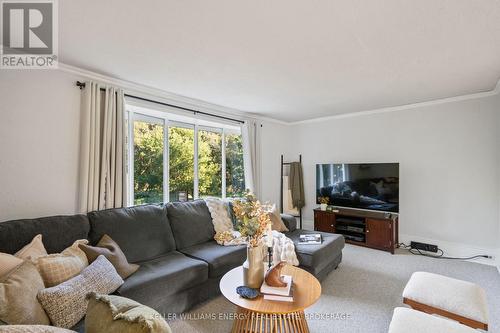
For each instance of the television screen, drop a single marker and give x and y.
(373, 186)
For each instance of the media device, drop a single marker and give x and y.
(373, 186)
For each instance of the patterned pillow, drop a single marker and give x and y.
(65, 304)
(220, 216)
(60, 267)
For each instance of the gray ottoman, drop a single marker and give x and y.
(320, 259)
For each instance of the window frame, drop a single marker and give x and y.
(135, 112)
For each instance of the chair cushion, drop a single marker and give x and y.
(58, 232)
(163, 276)
(191, 223)
(220, 259)
(152, 235)
(317, 257)
(463, 298)
(407, 320)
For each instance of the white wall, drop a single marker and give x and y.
(449, 166)
(39, 131)
(275, 140)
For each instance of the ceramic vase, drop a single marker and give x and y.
(253, 268)
(323, 206)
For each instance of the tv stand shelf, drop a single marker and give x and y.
(377, 230)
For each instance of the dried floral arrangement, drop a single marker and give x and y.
(323, 200)
(252, 217)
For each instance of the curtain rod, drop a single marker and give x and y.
(81, 85)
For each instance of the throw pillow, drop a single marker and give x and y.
(33, 329)
(115, 314)
(220, 216)
(65, 303)
(277, 222)
(18, 302)
(8, 262)
(108, 248)
(33, 250)
(59, 267)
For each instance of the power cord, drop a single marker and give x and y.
(440, 254)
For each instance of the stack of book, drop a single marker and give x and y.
(310, 239)
(282, 294)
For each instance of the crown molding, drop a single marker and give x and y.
(493, 92)
(168, 97)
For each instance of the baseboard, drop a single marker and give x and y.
(452, 249)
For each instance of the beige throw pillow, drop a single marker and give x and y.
(18, 301)
(60, 267)
(33, 329)
(115, 314)
(7, 263)
(66, 304)
(108, 248)
(33, 250)
(277, 222)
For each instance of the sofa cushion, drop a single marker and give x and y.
(142, 232)
(289, 221)
(317, 257)
(191, 223)
(58, 232)
(163, 276)
(220, 259)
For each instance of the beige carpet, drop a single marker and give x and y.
(360, 295)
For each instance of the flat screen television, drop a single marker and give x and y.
(373, 186)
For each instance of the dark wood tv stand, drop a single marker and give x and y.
(377, 230)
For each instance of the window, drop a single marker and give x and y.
(148, 160)
(178, 158)
(209, 163)
(181, 163)
(235, 176)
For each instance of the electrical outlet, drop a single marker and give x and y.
(424, 247)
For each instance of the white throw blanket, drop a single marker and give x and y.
(283, 247)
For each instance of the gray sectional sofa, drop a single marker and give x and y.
(180, 263)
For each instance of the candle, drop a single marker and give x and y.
(269, 236)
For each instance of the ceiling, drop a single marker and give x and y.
(286, 59)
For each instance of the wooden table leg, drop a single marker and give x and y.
(253, 322)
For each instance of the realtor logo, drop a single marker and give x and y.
(29, 34)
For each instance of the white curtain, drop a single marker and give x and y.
(250, 135)
(103, 180)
